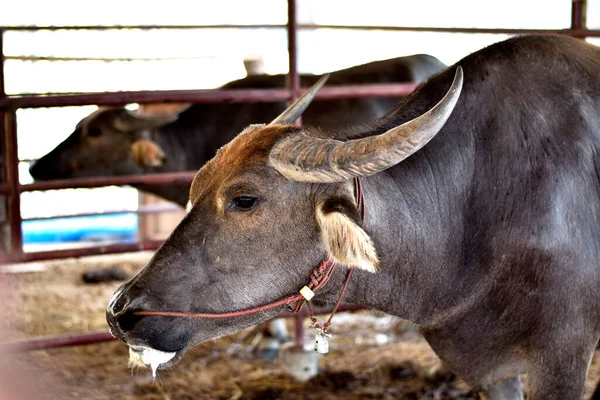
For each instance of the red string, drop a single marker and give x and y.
(282, 302)
(320, 280)
(328, 323)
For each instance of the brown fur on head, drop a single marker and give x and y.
(343, 238)
(252, 146)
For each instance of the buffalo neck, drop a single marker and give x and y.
(418, 233)
(416, 215)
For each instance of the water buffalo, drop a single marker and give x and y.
(115, 141)
(487, 237)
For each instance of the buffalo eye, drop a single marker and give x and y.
(244, 203)
(94, 132)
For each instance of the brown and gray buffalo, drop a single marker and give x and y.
(487, 237)
(115, 141)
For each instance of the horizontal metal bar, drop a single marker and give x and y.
(149, 209)
(56, 341)
(91, 337)
(509, 31)
(505, 31)
(136, 27)
(79, 252)
(179, 178)
(120, 98)
(201, 96)
(370, 90)
(107, 59)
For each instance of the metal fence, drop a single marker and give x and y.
(12, 189)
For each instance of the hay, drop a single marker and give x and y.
(373, 356)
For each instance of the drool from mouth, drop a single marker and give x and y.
(146, 356)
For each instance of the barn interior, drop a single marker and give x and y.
(67, 243)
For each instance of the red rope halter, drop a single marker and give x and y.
(318, 278)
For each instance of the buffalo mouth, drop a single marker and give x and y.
(147, 353)
(143, 356)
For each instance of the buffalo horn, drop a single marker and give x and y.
(293, 112)
(308, 159)
(131, 121)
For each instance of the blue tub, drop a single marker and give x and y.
(115, 227)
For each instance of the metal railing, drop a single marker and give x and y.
(9, 104)
(11, 188)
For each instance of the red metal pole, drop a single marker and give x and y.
(12, 178)
(178, 178)
(370, 90)
(3, 172)
(578, 16)
(121, 98)
(293, 78)
(499, 31)
(50, 342)
(203, 96)
(80, 252)
(150, 209)
(293, 84)
(137, 27)
(2, 89)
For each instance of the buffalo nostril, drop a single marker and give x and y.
(116, 306)
(127, 320)
(120, 313)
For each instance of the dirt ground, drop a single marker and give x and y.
(372, 356)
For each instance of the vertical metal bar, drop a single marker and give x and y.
(4, 227)
(5, 224)
(2, 96)
(2, 59)
(299, 330)
(12, 178)
(578, 16)
(293, 79)
(293, 84)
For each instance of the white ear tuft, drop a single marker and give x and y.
(346, 242)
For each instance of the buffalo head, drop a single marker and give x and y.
(110, 141)
(267, 209)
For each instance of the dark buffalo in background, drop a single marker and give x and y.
(116, 141)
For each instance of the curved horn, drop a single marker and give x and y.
(307, 159)
(131, 121)
(294, 111)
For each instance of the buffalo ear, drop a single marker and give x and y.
(145, 153)
(346, 242)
